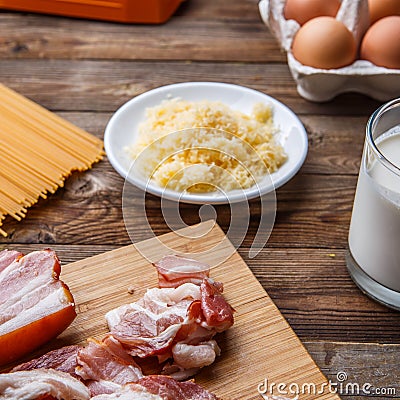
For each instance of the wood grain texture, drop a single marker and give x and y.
(371, 369)
(307, 216)
(198, 39)
(98, 85)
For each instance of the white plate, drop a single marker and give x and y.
(121, 132)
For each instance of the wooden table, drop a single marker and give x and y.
(84, 70)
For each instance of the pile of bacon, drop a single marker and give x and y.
(174, 324)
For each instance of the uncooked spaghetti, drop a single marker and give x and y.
(39, 150)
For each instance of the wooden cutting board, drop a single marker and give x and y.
(261, 345)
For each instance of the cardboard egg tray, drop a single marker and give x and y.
(324, 84)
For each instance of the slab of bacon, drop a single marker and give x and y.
(35, 306)
(42, 384)
(175, 322)
(7, 257)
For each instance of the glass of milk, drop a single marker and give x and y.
(373, 259)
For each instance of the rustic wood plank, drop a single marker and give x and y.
(316, 294)
(73, 85)
(374, 367)
(307, 216)
(196, 38)
(335, 144)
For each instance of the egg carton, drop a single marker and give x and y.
(324, 84)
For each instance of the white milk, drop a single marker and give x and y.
(374, 237)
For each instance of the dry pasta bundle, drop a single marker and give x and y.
(38, 151)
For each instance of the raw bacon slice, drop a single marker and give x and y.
(188, 359)
(199, 355)
(217, 311)
(102, 387)
(170, 389)
(41, 383)
(129, 392)
(63, 359)
(105, 362)
(157, 387)
(7, 257)
(149, 326)
(35, 306)
(102, 366)
(174, 270)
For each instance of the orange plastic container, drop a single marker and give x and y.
(135, 11)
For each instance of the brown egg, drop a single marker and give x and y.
(383, 8)
(304, 10)
(381, 43)
(324, 42)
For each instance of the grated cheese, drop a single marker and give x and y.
(206, 146)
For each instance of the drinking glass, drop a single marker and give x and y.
(373, 259)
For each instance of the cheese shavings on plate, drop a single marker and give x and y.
(203, 146)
